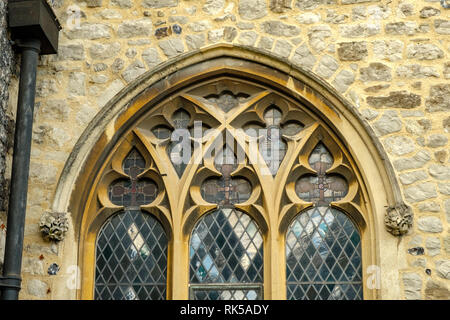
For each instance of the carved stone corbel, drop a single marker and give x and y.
(398, 219)
(54, 225)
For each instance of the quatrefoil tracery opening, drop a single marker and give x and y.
(321, 188)
(133, 191)
(226, 190)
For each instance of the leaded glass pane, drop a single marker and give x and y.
(131, 258)
(321, 188)
(323, 256)
(134, 163)
(226, 100)
(180, 149)
(227, 294)
(226, 247)
(226, 190)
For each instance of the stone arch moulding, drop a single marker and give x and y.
(116, 119)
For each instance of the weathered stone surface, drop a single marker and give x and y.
(414, 176)
(122, 3)
(213, 6)
(33, 266)
(327, 66)
(436, 291)
(388, 123)
(73, 52)
(420, 192)
(266, 43)
(172, 47)
(195, 41)
(57, 110)
(376, 72)
(440, 156)
(433, 246)
(312, 4)
(377, 88)
(437, 140)
(443, 269)
(388, 50)
(352, 51)
(135, 28)
(317, 36)
(117, 65)
(110, 92)
(424, 51)
(37, 288)
(439, 171)
(278, 28)
(108, 14)
(412, 283)
(335, 18)
(418, 127)
(77, 84)
(447, 244)
(90, 31)
(429, 207)
(134, 70)
(199, 26)
(308, 18)
(343, 80)
(252, 9)
(401, 28)
(442, 26)
(416, 71)
(446, 124)
(396, 99)
(429, 224)
(447, 209)
(427, 12)
(405, 9)
(361, 30)
(159, 3)
(99, 51)
(248, 38)
(415, 162)
(303, 57)
(357, 1)
(439, 98)
(283, 48)
(280, 6)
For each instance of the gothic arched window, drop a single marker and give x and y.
(226, 189)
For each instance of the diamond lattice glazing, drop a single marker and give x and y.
(323, 257)
(226, 247)
(131, 258)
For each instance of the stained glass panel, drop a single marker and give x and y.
(272, 146)
(179, 150)
(226, 247)
(323, 257)
(226, 100)
(321, 188)
(226, 190)
(131, 258)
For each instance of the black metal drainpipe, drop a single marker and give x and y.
(20, 168)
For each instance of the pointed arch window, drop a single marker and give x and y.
(226, 246)
(323, 245)
(131, 249)
(211, 184)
